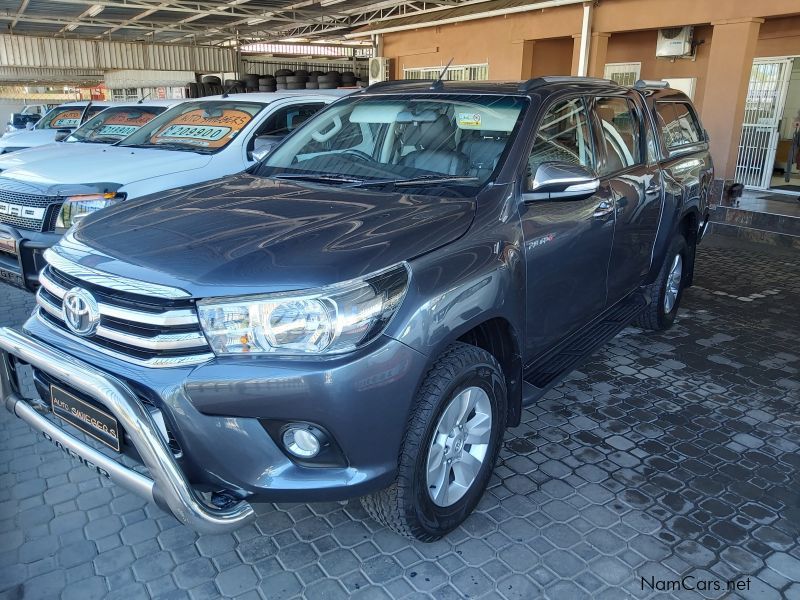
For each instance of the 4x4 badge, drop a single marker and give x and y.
(81, 313)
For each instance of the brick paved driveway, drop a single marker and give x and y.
(667, 455)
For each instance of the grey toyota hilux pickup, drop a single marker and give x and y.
(366, 311)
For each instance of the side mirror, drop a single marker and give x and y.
(561, 181)
(63, 134)
(263, 145)
(29, 125)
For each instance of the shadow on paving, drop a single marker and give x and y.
(665, 455)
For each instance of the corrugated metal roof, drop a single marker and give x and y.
(211, 21)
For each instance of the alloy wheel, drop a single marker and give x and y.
(673, 286)
(459, 446)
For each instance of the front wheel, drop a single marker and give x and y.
(666, 291)
(449, 449)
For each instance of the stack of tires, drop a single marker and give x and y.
(280, 78)
(209, 85)
(313, 80)
(329, 81)
(251, 82)
(267, 83)
(348, 79)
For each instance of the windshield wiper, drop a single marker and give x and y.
(318, 177)
(421, 179)
(178, 147)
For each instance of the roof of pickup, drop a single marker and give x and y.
(518, 88)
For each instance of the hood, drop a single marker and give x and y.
(76, 164)
(245, 234)
(27, 138)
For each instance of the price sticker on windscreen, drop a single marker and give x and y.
(202, 128)
(124, 124)
(67, 119)
(468, 119)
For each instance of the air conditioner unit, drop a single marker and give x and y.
(674, 42)
(378, 69)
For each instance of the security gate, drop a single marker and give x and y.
(766, 95)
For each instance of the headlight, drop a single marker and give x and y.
(329, 320)
(77, 207)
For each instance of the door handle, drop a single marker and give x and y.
(603, 209)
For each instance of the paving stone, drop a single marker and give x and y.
(668, 454)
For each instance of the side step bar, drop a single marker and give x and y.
(167, 486)
(547, 372)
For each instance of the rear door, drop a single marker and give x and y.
(567, 242)
(636, 188)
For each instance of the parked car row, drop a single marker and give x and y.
(362, 310)
(131, 150)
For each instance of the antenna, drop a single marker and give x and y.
(227, 90)
(145, 97)
(439, 83)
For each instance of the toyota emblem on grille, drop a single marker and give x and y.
(81, 313)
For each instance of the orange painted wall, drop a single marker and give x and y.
(640, 46)
(551, 57)
(779, 37)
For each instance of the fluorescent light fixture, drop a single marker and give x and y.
(72, 27)
(330, 2)
(256, 21)
(95, 10)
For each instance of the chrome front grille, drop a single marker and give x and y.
(24, 210)
(150, 331)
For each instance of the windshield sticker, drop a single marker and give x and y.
(66, 119)
(123, 124)
(469, 119)
(203, 128)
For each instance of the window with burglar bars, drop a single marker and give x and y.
(623, 73)
(454, 73)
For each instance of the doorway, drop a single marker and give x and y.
(769, 150)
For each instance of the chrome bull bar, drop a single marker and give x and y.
(168, 487)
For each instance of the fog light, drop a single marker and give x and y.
(301, 442)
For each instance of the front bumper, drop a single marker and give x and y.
(167, 485)
(22, 255)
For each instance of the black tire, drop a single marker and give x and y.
(327, 85)
(312, 85)
(283, 72)
(193, 90)
(406, 506)
(212, 79)
(296, 79)
(295, 86)
(281, 86)
(655, 317)
(266, 80)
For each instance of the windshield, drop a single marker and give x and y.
(203, 127)
(61, 117)
(114, 124)
(401, 139)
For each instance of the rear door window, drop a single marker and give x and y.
(679, 124)
(621, 133)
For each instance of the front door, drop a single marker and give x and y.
(567, 242)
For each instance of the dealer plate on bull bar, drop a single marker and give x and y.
(88, 418)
